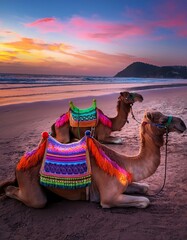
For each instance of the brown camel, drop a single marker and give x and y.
(102, 132)
(107, 189)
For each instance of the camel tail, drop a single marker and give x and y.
(31, 159)
(53, 132)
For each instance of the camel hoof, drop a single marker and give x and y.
(115, 140)
(145, 187)
(144, 203)
(118, 141)
(10, 190)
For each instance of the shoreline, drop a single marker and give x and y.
(20, 96)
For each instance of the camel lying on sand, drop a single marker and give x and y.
(111, 178)
(104, 128)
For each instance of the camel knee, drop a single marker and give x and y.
(105, 203)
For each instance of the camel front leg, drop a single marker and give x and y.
(140, 188)
(123, 200)
(102, 134)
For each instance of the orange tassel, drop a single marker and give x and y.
(31, 161)
(104, 164)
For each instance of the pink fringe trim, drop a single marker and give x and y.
(104, 119)
(62, 120)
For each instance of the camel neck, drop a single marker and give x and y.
(119, 121)
(146, 162)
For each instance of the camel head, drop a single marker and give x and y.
(156, 124)
(159, 123)
(130, 98)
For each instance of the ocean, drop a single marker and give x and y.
(20, 88)
(34, 80)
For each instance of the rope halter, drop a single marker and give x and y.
(129, 99)
(159, 125)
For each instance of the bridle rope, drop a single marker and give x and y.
(132, 114)
(166, 151)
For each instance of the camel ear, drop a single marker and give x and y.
(149, 116)
(121, 93)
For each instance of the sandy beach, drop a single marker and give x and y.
(165, 219)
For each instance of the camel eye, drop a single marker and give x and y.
(130, 97)
(163, 121)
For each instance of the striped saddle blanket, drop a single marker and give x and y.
(83, 117)
(65, 165)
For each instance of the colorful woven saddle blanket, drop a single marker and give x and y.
(65, 165)
(83, 117)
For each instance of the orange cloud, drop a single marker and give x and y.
(33, 44)
(59, 58)
(7, 56)
(31, 51)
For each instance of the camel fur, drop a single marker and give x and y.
(102, 132)
(105, 188)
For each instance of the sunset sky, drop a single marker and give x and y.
(90, 37)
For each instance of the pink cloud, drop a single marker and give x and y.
(105, 31)
(88, 29)
(46, 25)
(43, 20)
(102, 30)
(172, 15)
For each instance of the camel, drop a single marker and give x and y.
(102, 131)
(110, 189)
